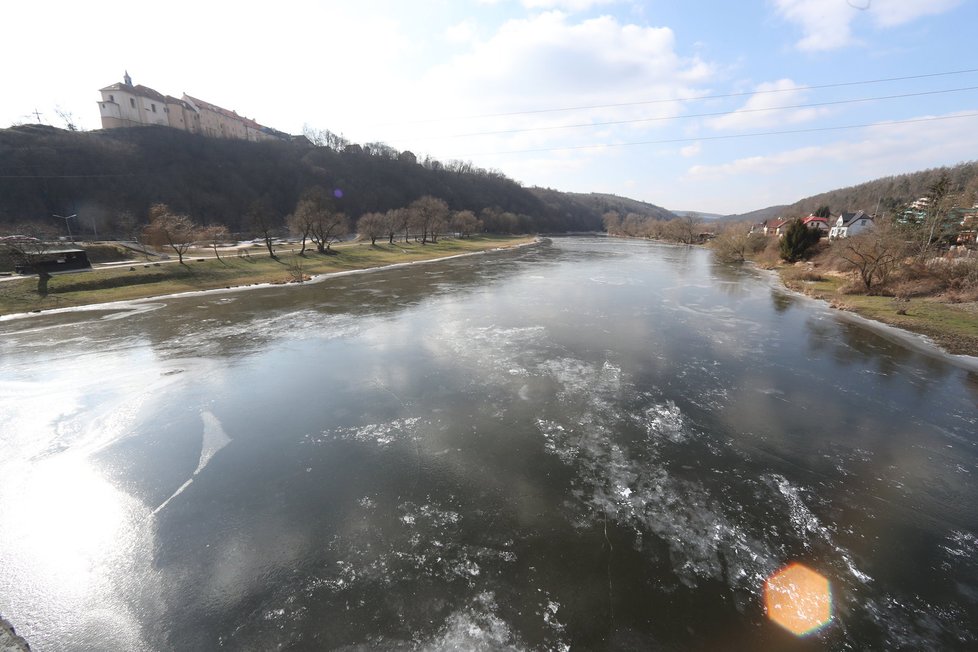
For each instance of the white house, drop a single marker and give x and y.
(125, 105)
(128, 105)
(819, 223)
(849, 224)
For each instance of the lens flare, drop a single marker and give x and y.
(798, 599)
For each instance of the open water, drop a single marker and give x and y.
(587, 444)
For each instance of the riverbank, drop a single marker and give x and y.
(951, 326)
(140, 280)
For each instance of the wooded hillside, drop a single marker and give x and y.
(110, 179)
(892, 193)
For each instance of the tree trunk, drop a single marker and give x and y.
(42, 282)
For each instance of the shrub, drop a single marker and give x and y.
(797, 241)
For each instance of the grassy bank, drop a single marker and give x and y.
(138, 279)
(952, 326)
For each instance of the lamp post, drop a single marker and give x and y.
(67, 226)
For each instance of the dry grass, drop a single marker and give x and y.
(141, 280)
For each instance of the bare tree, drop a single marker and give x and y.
(324, 138)
(214, 236)
(324, 223)
(71, 124)
(465, 223)
(371, 225)
(873, 254)
(735, 242)
(168, 229)
(935, 224)
(395, 220)
(682, 229)
(612, 222)
(300, 222)
(263, 224)
(427, 214)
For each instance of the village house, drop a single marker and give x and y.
(968, 233)
(125, 105)
(849, 224)
(816, 222)
(777, 227)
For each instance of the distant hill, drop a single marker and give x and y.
(104, 175)
(892, 193)
(760, 215)
(698, 214)
(576, 206)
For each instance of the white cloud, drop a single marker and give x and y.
(762, 109)
(461, 32)
(551, 61)
(890, 13)
(691, 150)
(824, 22)
(566, 5)
(827, 24)
(547, 61)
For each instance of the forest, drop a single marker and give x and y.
(111, 178)
(892, 193)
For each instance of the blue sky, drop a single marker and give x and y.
(493, 82)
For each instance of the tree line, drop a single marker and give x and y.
(907, 252)
(111, 178)
(684, 230)
(315, 223)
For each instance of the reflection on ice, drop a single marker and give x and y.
(214, 439)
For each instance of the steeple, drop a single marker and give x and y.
(127, 79)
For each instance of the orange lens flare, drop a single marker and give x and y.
(798, 599)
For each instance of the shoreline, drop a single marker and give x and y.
(920, 342)
(315, 278)
(915, 325)
(927, 335)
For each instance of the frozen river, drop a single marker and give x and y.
(587, 444)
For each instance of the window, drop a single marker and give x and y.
(112, 98)
(132, 102)
(154, 107)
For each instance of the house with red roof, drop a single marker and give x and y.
(816, 222)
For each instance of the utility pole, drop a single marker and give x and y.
(67, 226)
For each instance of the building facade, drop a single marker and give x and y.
(124, 105)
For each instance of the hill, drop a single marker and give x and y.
(110, 178)
(760, 215)
(580, 207)
(893, 193)
(698, 215)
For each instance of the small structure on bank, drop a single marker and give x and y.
(54, 260)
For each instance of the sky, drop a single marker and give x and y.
(714, 106)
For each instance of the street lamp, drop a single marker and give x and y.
(67, 226)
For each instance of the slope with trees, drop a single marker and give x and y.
(111, 178)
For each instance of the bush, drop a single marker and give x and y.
(955, 274)
(797, 241)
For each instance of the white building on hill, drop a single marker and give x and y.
(849, 224)
(126, 105)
